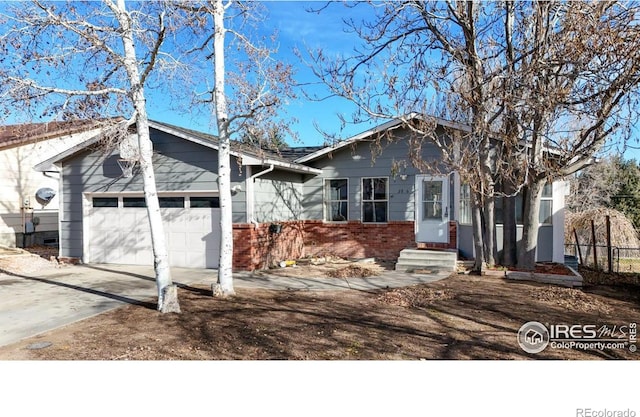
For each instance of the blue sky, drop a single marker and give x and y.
(298, 28)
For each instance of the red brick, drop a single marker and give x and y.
(255, 247)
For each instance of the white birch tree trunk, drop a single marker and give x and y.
(167, 294)
(224, 286)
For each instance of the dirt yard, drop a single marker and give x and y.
(461, 317)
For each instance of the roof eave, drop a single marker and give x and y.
(297, 168)
(47, 164)
(380, 128)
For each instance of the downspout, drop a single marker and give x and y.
(251, 181)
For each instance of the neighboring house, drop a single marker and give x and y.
(21, 147)
(336, 200)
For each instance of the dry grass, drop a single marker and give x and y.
(623, 234)
(461, 317)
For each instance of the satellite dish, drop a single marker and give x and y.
(45, 195)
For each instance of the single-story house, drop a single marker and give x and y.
(349, 200)
(26, 215)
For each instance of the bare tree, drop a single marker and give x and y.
(579, 72)
(247, 94)
(594, 186)
(541, 85)
(85, 60)
(431, 59)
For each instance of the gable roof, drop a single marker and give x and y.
(392, 124)
(246, 153)
(12, 136)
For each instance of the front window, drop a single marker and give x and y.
(465, 204)
(546, 205)
(336, 200)
(375, 200)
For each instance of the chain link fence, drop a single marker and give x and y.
(623, 260)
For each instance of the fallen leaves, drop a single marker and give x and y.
(415, 296)
(570, 299)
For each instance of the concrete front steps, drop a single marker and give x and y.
(411, 260)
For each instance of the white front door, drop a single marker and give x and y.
(432, 209)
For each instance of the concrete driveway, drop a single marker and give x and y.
(32, 304)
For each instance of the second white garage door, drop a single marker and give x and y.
(119, 230)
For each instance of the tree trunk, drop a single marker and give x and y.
(510, 142)
(224, 286)
(509, 227)
(490, 247)
(528, 243)
(476, 224)
(167, 298)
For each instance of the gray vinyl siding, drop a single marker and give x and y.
(179, 165)
(278, 197)
(357, 162)
(544, 247)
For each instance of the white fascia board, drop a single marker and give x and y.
(48, 164)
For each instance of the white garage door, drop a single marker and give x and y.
(119, 230)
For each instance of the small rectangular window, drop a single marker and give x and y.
(105, 202)
(336, 200)
(432, 202)
(205, 202)
(134, 202)
(546, 205)
(374, 200)
(171, 202)
(465, 204)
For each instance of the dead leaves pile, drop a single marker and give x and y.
(569, 298)
(353, 271)
(414, 296)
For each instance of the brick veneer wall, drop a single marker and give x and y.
(255, 247)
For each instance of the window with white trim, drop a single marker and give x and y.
(336, 200)
(375, 200)
(465, 204)
(546, 205)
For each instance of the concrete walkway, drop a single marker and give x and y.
(35, 303)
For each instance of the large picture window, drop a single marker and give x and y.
(375, 200)
(336, 200)
(546, 206)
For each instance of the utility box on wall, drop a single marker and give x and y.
(275, 228)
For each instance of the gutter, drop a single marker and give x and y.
(49, 172)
